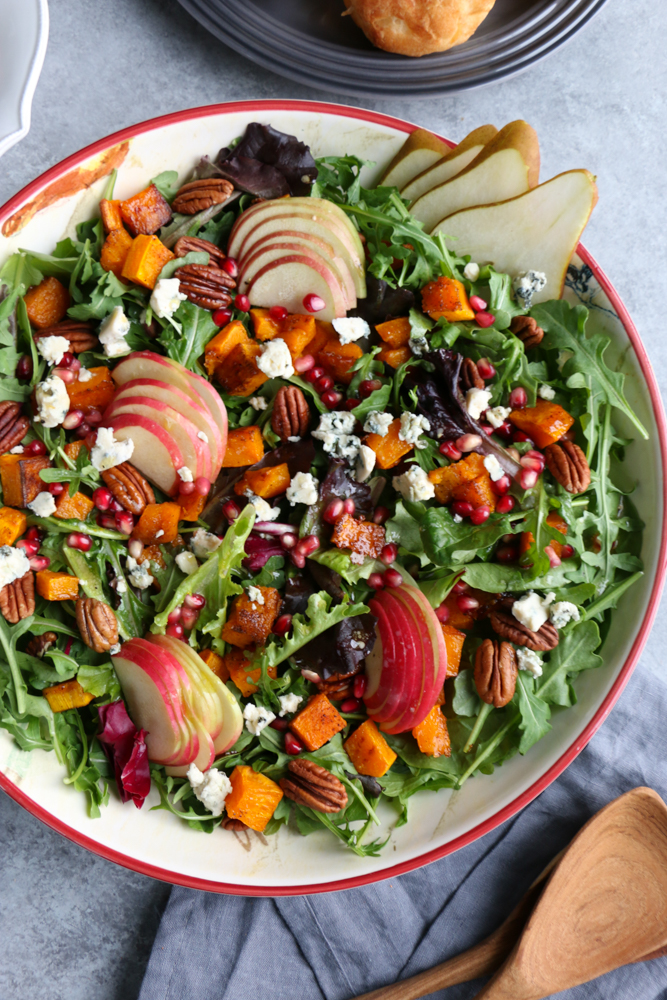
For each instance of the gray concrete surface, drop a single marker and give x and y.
(74, 926)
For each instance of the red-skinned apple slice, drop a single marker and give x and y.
(156, 455)
(204, 758)
(196, 454)
(402, 675)
(205, 703)
(319, 260)
(287, 281)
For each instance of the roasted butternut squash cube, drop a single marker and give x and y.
(324, 332)
(545, 423)
(269, 482)
(253, 798)
(454, 644)
(298, 332)
(449, 478)
(114, 251)
(95, 394)
(432, 734)
(68, 695)
(56, 586)
(73, 449)
(339, 359)
(317, 722)
(446, 297)
(369, 751)
(145, 259)
(111, 217)
(478, 492)
(395, 332)
(78, 507)
(237, 665)
(252, 621)
(394, 356)
(20, 478)
(389, 450)
(456, 618)
(152, 554)
(46, 303)
(218, 350)
(215, 663)
(239, 374)
(12, 525)
(245, 446)
(144, 213)
(158, 524)
(264, 327)
(363, 537)
(192, 506)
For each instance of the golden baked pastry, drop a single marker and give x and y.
(417, 27)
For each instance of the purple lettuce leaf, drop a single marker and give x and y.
(268, 163)
(383, 302)
(332, 652)
(125, 746)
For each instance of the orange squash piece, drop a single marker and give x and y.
(395, 332)
(253, 798)
(215, 663)
(554, 520)
(363, 537)
(78, 507)
(221, 346)
(251, 621)
(191, 506)
(46, 303)
(457, 619)
(477, 492)
(339, 359)
(145, 259)
(369, 751)
(432, 734)
(394, 356)
(317, 722)
(545, 423)
(67, 695)
(245, 446)
(237, 664)
(111, 217)
(449, 478)
(269, 482)
(56, 586)
(12, 525)
(324, 332)
(20, 478)
(389, 450)
(454, 644)
(114, 251)
(144, 213)
(446, 297)
(298, 332)
(239, 374)
(158, 524)
(73, 449)
(152, 554)
(95, 394)
(264, 327)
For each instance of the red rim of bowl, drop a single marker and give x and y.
(605, 708)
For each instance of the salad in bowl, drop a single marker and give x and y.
(313, 493)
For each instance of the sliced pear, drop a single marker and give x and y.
(537, 231)
(453, 163)
(420, 150)
(507, 166)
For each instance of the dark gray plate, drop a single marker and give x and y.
(308, 41)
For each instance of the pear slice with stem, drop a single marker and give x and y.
(507, 166)
(538, 230)
(420, 150)
(453, 163)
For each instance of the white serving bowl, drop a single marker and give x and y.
(158, 844)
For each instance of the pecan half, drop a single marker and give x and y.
(17, 599)
(129, 487)
(206, 286)
(470, 377)
(190, 244)
(508, 627)
(311, 785)
(291, 416)
(337, 687)
(79, 334)
(199, 195)
(41, 644)
(495, 672)
(567, 464)
(13, 425)
(527, 330)
(233, 824)
(97, 624)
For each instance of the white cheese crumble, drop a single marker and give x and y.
(52, 401)
(85, 375)
(546, 392)
(275, 359)
(351, 328)
(526, 286)
(113, 331)
(53, 349)
(13, 564)
(529, 661)
(457, 519)
(294, 438)
(16, 450)
(120, 586)
(563, 612)
(477, 401)
(497, 415)
(335, 433)
(471, 271)
(115, 649)
(418, 345)
(202, 437)
(187, 563)
(365, 463)
(263, 510)
(211, 788)
(289, 703)
(185, 475)
(255, 595)
(138, 573)
(257, 718)
(166, 297)
(414, 485)
(43, 505)
(494, 468)
(159, 534)
(378, 423)
(303, 489)
(412, 426)
(203, 543)
(532, 610)
(258, 402)
(107, 452)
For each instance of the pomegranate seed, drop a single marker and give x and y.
(174, 616)
(465, 602)
(55, 489)
(368, 386)
(293, 745)
(83, 431)
(477, 303)
(278, 313)
(304, 364)
(202, 486)
(518, 398)
(350, 705)
(324, 383)
(376, 581)
(392, 578)
(351, 403)
(186, 489)
(35, 448)
(460, 587)
(175, 631)
(282, 624)
(106, 521)
(333, 511)
(24, 369)
(34, 535)
(359, 686)
(505, 430)
(468, 442)
(279, 724)
(221, 317)
(38, 563)
(507, 554)
(73, 420)
(298, 559)
(528, 462)
(189, 618)
(486, 369)
(389, 554)
(567, 551)
(313, 303)
(514, 453)
(501, 486)
(197, 601)
(462, 508)
(124, 522)
(66, 375)
(442, 613)
(230, 510)
(505, 504)
(331, 399)
(314, 374)
(450, 451)
(310, 675)
(67, 359)
(520, 436)
(79, 541)
(90, 439)
(307, 545)
(288, 540)
(102, 498)
(528, 478)
(135, 547)
(115, 506)
(242, 303)
(349, 506)
(94, 418)
(554, 560)
(487, 428)
(380, 515)
(30, 546)
(230, 266)
(480, 514)
(484, 319)
(536, 456)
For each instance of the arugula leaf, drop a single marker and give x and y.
(340, 562)
(535, 712)
(187, 334)
(466, 701)
(100, 681)
(575, 652)
(193, 257)
(403, 529)
(167, 184)
(495, 578)
(447, 543)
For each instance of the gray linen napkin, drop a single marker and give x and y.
(337, 945)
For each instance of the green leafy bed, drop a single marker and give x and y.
(435, 551)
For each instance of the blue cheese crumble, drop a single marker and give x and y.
(166, 297)
(211, 788)
(414, 485)
(378, 423)
(303, 489)
(275, 359)
(186, 562)
(13, 564)
(412, 426)
(53, 349)
(107, 452)
(138, 574)
(365, 463)
(52, 401)
(203, 543)
(335, 433)
(113, 332)
(257, 718)
(532, 610)
(563, 612)
(351, 328)
(527, 285)
(529, 661)
(289, 703)
(546, 392)
(43, 505)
